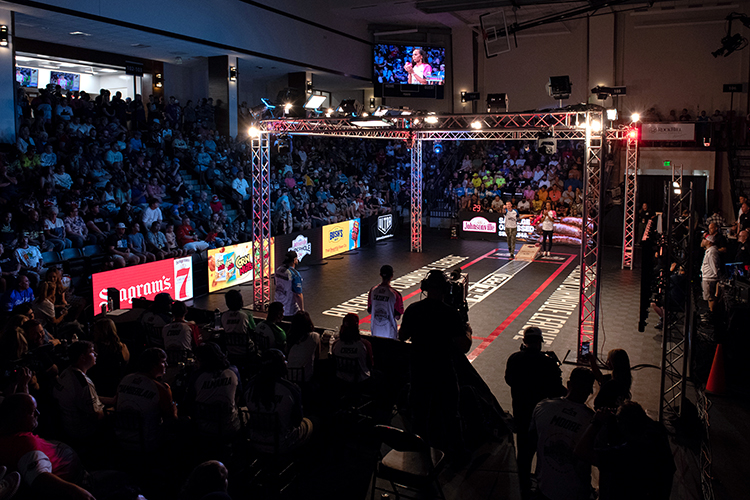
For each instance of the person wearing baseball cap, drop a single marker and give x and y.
(532, 376)
(117, 247)
(289, 285)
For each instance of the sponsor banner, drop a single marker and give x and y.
(679, 131)
(524, 229)
(173, 276)
(384, 228)
(479, 225)
(230, 266)
(340, 237)
(306, 244)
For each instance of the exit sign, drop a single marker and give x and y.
(667, 163)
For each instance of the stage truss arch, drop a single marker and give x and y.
(588, 124)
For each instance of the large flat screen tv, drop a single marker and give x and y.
(408, 70)
(68, 81)
(27, 77)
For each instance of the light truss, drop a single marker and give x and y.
(566, 125)
(677, 335)
(593, 194)
(630, 198)
(416, 195)
(261, 178)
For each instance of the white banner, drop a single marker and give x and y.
(679, 131)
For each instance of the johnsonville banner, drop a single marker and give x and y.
(173, 276)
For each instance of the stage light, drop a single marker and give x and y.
(633, 134)
(497, 103)
(437, 148)
(476, 125)
(287, 107)
(232, 73)
(416, 121)
(677, 191)
(431, 120)
(596, 126)
(329, 112)
(381, 111)
(612, 114)
(3, 36)
(365, 114)
(372, 123)
(635, 117)
(463, 96)
(675, 184)
(372, 103)
(315, 101)
(253, 131)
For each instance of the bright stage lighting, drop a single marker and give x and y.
(431, 120)
(476, 125)
(315, 102)
(253, 132)
(633, 134)
(635, 117)
(596, 126)
(372, 123)
(612, 114)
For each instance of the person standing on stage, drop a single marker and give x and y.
(511, 223)
(385, 305)
(547, 217)
(532, 377)
(289, 285)
(438, 335)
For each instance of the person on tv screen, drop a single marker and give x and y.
(418, 69)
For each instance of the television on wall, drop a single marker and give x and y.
(408, 71)
(68, 81)
(27, 77)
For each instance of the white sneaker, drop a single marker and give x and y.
(9, 485)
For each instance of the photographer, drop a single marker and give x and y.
(438, 336)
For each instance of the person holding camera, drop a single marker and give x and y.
(532, 376)
(438, 335)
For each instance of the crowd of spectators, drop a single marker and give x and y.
(491, 174)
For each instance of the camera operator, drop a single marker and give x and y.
(532, 376)
(438, 336)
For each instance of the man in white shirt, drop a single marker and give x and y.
(710, 272)
(241, 186)
(289, 285)
(63, 110)
(556, 427)
(80, 406)
(385, 305)
(511, 225)
(152, 213)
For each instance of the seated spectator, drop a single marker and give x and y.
(62, 178)
(112, 357)
(208, 481)
(50, 469)
(303, 344)
(144, 393)
(216, 205)
(137, 244)
(44, 306)
(76, 230)
(96, 222)
(8, 232)
(119, 249)
(32, 227)
(268, 333)
(154, 190)
(351, 345)
(524, 206)
(80, 407)
(21, 293)
(54, 230)
(187, 238)
(270, 393)
(9, 268)
(241, 187)
(181, 334)
(215, 382)
(159, 314)
(236, 320)
(48, 158)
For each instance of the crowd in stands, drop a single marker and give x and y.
(493, 173)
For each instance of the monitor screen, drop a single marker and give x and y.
(27, 77)
(68, 81)
(409, 64)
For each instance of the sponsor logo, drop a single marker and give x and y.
(479, 225)
(385, 225)
(302, 246)
(336, 235)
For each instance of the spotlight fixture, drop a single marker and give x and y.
(731, 43)
(437, 148)
(232, 73)
(314, 102)
(596, 126)
(432, 120)
(158, 81)
(611, 114)
(560, 87)
(3, 36)
(476, 125)
(372, 123)
(372, 103)
(350, 107)
(635, 117)
(633, 134)
(602, 92)
(253, 131)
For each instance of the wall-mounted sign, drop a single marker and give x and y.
(479, 225)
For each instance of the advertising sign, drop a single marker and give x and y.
(479, 225)
(384, 227)
(340, 237)
(306, 243)
(680, 131)
(174, 276)
(229, 266)
(301, 244)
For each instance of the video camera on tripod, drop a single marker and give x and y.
(455, 288)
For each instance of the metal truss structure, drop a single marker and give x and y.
(630, 199)
(586, 124)
(677, 244)
(261, 183)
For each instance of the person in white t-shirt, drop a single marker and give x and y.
(557, 426)
(303, 345)
(289, 285)
(511, 226)
(152, 213)
(385, 305)
(241, 187)
(237, 322)
(547, 217)
(80, 406)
